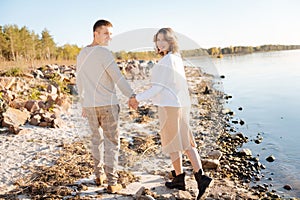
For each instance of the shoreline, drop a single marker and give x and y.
(140, 154)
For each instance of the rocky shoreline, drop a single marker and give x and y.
(53, 162)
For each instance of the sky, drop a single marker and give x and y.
(209, 23)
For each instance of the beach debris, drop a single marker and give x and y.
(61, 178)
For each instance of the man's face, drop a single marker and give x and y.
(103, 35)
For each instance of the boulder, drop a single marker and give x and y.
(17, 104)
(210, 163)
(32, 106)
(13, 118)
(215, 155)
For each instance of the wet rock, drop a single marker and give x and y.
(215, 155)
(238, 136)
(246, 152)
(287, 187)
(210, 164)
(271, 158)
(227, 111)
(273, 195)
(228, 97)
(257, 178)
(258, 141)
(73, 89)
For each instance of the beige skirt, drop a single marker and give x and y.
(175, 131)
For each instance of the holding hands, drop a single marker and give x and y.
(133, 103)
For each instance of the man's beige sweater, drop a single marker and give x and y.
(97, 75)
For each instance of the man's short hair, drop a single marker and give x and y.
(100, 23)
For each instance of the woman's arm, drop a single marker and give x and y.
(148, 94)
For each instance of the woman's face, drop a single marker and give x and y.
(162, 44)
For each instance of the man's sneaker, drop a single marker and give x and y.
(114, 188)
(100, 180)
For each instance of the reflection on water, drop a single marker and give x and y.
(267, 86)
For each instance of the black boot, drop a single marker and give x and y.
(177, 182)
(173, 173)
(203, 182)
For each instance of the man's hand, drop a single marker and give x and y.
(83, 114)
(133, 103)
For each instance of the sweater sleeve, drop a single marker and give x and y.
(115, 73)
(79, 81)
(148, 94)
(80, 89)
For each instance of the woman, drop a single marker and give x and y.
(169, 91)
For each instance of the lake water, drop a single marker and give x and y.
(267, 87)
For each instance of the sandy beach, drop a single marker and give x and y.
(54, 163)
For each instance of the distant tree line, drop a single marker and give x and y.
(22, 44)
(217, 51)
(144, 55)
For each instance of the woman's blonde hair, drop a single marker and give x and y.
(170, 37)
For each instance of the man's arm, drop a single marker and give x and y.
(115, 73)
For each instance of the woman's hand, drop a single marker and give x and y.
(133, 103)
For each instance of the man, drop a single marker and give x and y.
(97, 75)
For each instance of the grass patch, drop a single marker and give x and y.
(14, 71)
(35, 94)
